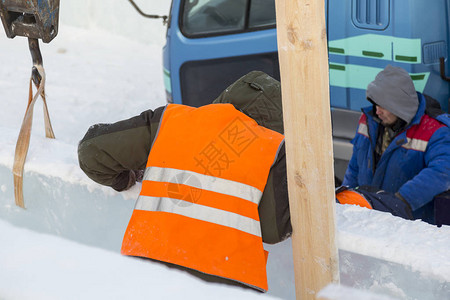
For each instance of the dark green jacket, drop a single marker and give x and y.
(112, 154)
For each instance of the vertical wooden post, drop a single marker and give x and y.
(302, 50)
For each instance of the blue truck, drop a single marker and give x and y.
(211, 43)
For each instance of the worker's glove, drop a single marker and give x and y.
(405, 206)
(388, 202)
(442, 208)
(126, 180)
(376, 199)
(139, 175)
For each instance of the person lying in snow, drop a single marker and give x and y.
(401, 153)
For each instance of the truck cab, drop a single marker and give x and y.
(212, 43)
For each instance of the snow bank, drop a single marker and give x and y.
(389, 255)
(39, 266)
(339, 292)
(417, 244)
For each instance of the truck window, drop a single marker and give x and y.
(262, 13)
(217, 17)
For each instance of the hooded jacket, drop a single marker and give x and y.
(394, 90)
(416, 164)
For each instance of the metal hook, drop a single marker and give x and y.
(33, 44)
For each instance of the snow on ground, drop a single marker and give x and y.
(339, 292)
(38, 266)
(413, 243)
(76, 225)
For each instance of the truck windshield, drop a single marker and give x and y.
(216, 17)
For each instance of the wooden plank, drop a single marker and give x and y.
(302, 48)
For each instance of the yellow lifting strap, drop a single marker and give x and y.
(23, 141)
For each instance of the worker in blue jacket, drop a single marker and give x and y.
(402, 147)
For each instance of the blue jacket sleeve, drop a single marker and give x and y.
(351, 175)
(435, 177)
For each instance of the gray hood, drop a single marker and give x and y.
(393, 89)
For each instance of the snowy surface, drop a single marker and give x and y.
(71, 251)
(413, 243)
(38, 266)
(339, 292)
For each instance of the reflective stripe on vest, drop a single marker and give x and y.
(198, 206)
(205, 182)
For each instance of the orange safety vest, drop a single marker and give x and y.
(198, 206)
